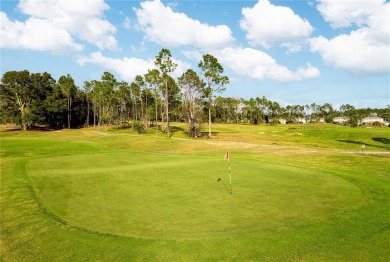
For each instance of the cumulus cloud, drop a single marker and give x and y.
(128, 68)
(354, 52)
(362, 51)
(172, 29)
(35, 34)
(259, 65)
(346, 13)
(266, 24)
(56, 26)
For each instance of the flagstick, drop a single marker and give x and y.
(230, 177)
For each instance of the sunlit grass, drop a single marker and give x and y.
(298, 195)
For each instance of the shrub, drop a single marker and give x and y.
(274, 122)
(139, 127)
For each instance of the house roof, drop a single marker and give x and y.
(341, 118)
(372, 118)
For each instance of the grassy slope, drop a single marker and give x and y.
(30, 233)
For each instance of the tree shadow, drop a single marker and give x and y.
(174, 129)
(203, 134)
(10, 129)
(382, 140)
(366, 144)
(33, 128)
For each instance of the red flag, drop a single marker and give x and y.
(226, 155)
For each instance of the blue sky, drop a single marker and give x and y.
(292, 52)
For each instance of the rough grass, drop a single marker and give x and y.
(37, 224)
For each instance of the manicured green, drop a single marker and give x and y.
(160, 195)
(83, 195)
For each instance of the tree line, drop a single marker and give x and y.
(29, 99)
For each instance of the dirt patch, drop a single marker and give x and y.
(101, 133)
(379, 153)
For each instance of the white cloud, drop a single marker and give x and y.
(362, 51)
(259, 65)
(56, 26)
(127, 23)
(172, 29)
(127, 67)
(193, 54)
(346, 13)
(354, 52)
(35, 34)
(266, 24)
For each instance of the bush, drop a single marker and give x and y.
(274, 122)
(353, 122)
(139, 127)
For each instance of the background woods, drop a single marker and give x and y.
(29, 99)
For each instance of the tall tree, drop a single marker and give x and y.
(43, 85)
(166, 65)
(87, 88)
(135, 94)
(215, 81)
(16, 93)
(22, 94)
(68, 88)
(327, 112)
(56, 108)
(153, 79)
(192, 90)
(110, 98)
(125, 99)
(140, 81)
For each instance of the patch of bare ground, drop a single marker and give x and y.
(379, 153)
(101, 133)
(265, 148)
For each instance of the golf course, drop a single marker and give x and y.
(303, 192)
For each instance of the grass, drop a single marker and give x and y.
(148, 195)
(80, 195)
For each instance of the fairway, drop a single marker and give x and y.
(170, 196)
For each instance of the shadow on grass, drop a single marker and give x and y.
(34, 128)
(382, 140)
(366, 144)
(220, 180)
(10, 129)
(207, 134)
(175, 129)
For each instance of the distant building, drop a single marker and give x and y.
(317, 120)
(372, 119)
(340, 120)
(300, 120)
(282, 121)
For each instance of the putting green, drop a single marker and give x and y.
(152, 195)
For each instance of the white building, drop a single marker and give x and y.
(282, 121)
(340, 119)
(372, 119)
(300, 120)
